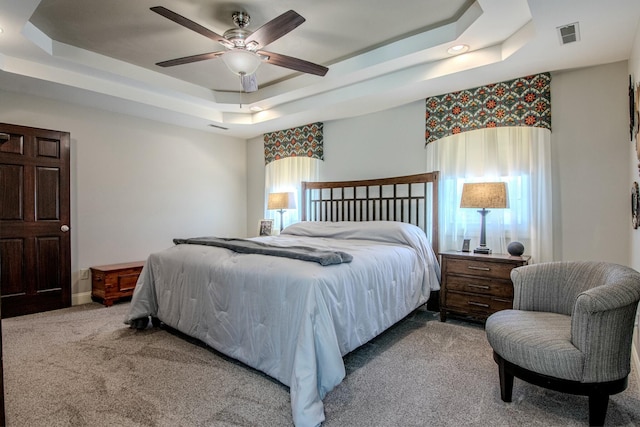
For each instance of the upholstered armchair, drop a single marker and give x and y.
(570, 330)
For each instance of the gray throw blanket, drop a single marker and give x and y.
(245, 246)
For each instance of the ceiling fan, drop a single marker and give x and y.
(244, 49)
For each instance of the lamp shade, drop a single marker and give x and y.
(281, 201)
(241, 62)
(484, 195)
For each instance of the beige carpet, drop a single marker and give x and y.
(83, 367)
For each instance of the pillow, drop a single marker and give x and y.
(382, 231)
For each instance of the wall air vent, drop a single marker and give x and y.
(569, 33)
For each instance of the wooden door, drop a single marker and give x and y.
(35, 244)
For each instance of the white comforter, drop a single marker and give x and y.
(292, 319)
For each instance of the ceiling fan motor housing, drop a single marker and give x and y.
(239, 35)
(241, 19)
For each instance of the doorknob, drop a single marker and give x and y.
(64, 228)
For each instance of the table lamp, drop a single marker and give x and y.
(484, 195)
(281, 201)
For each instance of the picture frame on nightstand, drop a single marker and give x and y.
(265, 227)
(465, 245)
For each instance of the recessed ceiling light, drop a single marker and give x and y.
(458, 49)
(1, 30)
(256, 108)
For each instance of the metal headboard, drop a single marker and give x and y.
(412, 199)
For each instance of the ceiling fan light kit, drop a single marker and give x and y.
(241, 62)
(244, 55)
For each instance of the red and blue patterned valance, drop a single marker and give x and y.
(521, 102)
(295, 142)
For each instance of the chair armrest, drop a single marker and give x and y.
(551, 286)
(602, 326)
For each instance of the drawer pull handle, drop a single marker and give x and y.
(471, 267)
(478, 304)
(471, 285)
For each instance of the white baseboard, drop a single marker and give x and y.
(81, 298)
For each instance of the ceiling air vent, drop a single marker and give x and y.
(569, 33)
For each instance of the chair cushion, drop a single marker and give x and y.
(537, 341)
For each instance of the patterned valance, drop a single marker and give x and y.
(521, 102)
(295, 142)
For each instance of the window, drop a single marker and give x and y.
(286, 175)
(519, 156)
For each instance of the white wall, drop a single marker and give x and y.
(255, 184)
(590, 153)
(388, 143)
(634, 171)
(634, 175)
(136, 184)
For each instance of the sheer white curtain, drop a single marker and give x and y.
(285, 175)
(519, 156)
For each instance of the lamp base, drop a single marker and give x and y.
(482, 250)
(281, 223)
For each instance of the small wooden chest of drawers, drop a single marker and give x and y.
(476, 285)
(109, 283)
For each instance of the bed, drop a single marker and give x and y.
(293, 305)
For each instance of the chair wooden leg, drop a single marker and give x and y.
(598, 404)
(506, 381)
(598, 392)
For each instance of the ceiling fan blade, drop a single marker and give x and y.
(293, 63)
(193, 26)
(276, 28)
(189, 59)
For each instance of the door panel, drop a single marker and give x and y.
(11, 256)
(35, 254)
(48, 261)
(48, 148)
(14, 145)
(47, 193)
(13, 192)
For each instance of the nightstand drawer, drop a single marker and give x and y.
(479, 268)
(479, 285)
(476, 304)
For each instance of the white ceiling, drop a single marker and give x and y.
(103, 53)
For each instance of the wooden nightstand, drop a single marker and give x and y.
(112, 282)
(475, 285)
